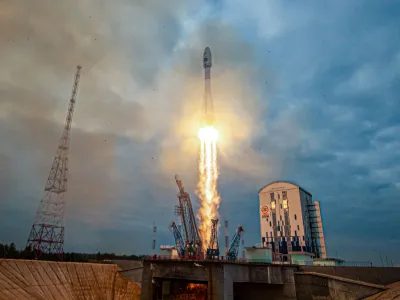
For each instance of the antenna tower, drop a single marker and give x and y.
(153, 248)
(47, 232)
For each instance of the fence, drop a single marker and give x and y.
(327, 263)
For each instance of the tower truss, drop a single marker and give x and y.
(213, 246)
(180, 245)
(233, 250)
(185, 211)
(47, 232)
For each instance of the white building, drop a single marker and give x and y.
(290, 221)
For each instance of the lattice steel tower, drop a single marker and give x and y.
(47, 233)
(213, 246)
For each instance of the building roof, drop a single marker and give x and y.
(285, 181)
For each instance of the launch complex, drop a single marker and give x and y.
(290, 264)
(202, 241)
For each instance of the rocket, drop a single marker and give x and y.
(208, 105)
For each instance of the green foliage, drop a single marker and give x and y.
(10, 251)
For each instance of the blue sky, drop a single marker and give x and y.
(305, 91)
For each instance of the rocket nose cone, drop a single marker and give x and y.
(207, 58)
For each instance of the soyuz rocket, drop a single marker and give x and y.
(208, 105)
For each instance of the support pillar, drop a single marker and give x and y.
(220, 284)
(289, 285)
(147, 284)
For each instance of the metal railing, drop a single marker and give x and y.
(264, 261)
(333, 263)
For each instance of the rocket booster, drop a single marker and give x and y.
(208, 105)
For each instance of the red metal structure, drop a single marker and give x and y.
(47, 232)
(185, 211)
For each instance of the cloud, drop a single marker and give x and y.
(308, 94)
(139, 96)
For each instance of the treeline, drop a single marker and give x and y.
(10, 251)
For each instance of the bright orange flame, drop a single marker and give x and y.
(208, 176)
(198, 291)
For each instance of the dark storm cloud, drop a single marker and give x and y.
(305, 92)
(121, 47)
(335, 92)
(140, 85)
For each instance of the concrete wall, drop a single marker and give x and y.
(231, 281)
(301, 259)
(258, 254)
(376, 275)
(130, 269)
(133, 275)
(248, 290)
(220, 277)
(28, 279)
(309, 287)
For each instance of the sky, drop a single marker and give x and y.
(306, 92)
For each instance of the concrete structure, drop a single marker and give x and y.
(328, 262)
(376, 275)
(165, 279)
(392, 292)
(290, 221)
(302, 258)
(168, 251)
(28, 279)
(254, 254)
(131, 269)
(321, 286)
(169, 279)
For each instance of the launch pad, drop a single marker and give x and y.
(168, 278)
(188, 242)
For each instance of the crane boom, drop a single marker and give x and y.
(180, 246)
(235, 244)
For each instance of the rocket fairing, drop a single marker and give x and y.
(207, 63)
(208, 105)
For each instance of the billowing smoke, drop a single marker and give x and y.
(137, 112)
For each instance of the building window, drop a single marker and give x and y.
(271, 233)
(303, 238)
(280, 217)
(298, 227)
(285, 206)
(270, 223)
(272, 204)
(272, 195)
(284, 195)
(295, 233)
(283, 223)
(295, 217)
(281, 205)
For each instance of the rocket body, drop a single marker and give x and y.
(208, 105)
